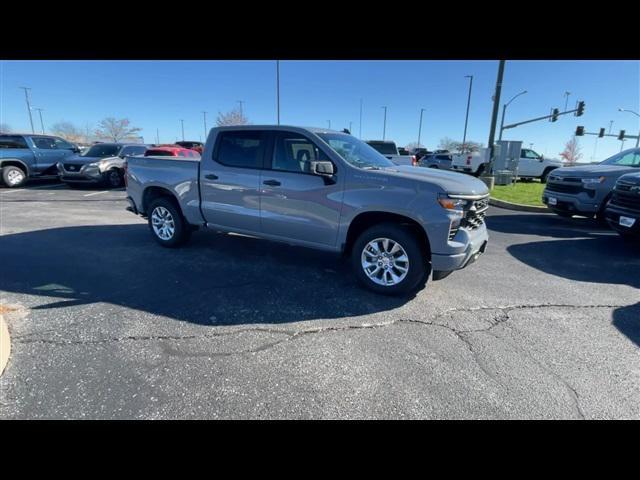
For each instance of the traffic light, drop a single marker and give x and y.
(580, 108)
(621, 136)
(555, 115)
(601, 134)
(580, 131)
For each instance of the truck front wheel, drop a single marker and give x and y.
(13, 176)
(387, 259)
(167, 223)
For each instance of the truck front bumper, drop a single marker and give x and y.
(579, 204)
(476, 244)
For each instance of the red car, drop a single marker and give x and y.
(197, 146)
(171, 151)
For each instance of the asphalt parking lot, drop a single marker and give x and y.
(546, 324)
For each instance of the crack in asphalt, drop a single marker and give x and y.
(501, 317)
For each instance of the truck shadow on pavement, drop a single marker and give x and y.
(214, 280)
(582, 251)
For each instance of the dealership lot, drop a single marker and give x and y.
(545, 325)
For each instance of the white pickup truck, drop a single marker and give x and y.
(390, 150)
(530, 164)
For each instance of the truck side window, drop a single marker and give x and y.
(244, 149)
(13, 141)
(293, 153)
(61, 144)
(44, 143)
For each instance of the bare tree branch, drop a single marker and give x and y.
(116, 130)
(233, 117)
(68, 131)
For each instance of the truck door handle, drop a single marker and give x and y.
(211, 176)
(272, 183)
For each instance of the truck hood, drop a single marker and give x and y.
(592, 170)
(450, 182)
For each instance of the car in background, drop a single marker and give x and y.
(623, 210)
(530, 164)
(390, 150)
(441, 161)
(585, 190)
(31, 156)
(420, 152)
(403, 151)
(171, 151)
(197, 146)
(102, 163)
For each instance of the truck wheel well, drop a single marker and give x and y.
(151, 193)
(368, 219)
(15, 163)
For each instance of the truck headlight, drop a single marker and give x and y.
(452, 204)
(592, 182)
(94, 164)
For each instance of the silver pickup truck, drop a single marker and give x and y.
(321, 189)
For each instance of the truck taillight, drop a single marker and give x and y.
(125, 173)
(414, 161)
(469, 160)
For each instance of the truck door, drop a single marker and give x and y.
(530, 164)
(230, 181)
(48, 151)
(295, 203)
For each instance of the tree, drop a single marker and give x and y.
(233, 117)
(4, 128)
(447, 143)
(116, 129)
(413, 145)
(67, 130)
(571, 153)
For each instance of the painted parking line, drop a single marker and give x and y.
(95, 193)
(45, 187)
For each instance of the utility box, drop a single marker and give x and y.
(506, 156)
(504, 177)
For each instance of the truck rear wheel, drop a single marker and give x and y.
(387, 259)
(167, 223)
(113, 178)
(13, 176)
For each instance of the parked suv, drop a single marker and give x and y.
(102, 163)
(585, 190)
(321, 189)
(436, 160)
(31, 156)
(623, 210)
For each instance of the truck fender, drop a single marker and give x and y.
(17, 162)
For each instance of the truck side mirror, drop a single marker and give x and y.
(324, 169)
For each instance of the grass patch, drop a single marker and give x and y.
(524, 193)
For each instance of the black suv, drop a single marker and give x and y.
(623, 210)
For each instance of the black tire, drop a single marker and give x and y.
(113, 178)
(13, 177)
(181, 231)
(545, 175)
(418, 265)
(600, 216)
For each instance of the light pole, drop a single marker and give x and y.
(41, 122)
(204, 116)
(566, 100)
(637, 115)
(610, 125)
(494, 112)
(531, 146)
(157, 136)
(360, 134)
(240, 102)
(420, 125)
(26, 96)
(350, 126)
(466, 120)
(278, 89)
(504, 109)
(384, 125)
(329, 122)
(182, 123)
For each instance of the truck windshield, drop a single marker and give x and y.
(102, 150)
(627, 159)
(356, 152)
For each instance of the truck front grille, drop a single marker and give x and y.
(624, 200)
(564, 188)
(474, 215)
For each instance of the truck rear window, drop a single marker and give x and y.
(13, 141)
(385, 148)
(244, 149)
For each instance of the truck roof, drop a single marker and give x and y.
(279, 127)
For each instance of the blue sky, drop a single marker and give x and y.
(157, 94)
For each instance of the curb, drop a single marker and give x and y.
(516, 206)
(5, 344)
